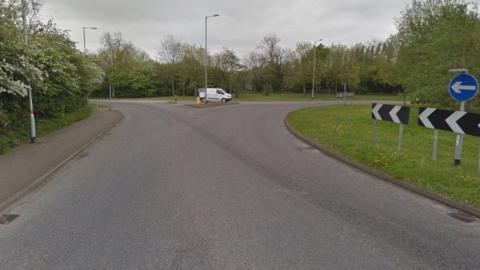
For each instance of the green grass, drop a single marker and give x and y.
(301, 97)
(179, 98)
(290, 97)
(44, 126)
(413, 163)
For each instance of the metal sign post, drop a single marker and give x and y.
(435, 145)
(400, 138)
(462, 88)
(478, 164)
(459, 142)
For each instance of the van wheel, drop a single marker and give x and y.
(223, 100)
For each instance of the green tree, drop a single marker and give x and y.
(435, 36)
(128, 69)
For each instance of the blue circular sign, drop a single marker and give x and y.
(463, 87)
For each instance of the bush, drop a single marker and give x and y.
(61, 77)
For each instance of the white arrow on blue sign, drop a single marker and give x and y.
(463, 87)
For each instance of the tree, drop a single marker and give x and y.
(271, 57)
(228, 64)
(171, 50)
(128, 69)
(435, 36)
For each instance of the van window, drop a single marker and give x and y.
(220, 92)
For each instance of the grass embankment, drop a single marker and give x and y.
(44, 126)
(291, 97)
(413, 164)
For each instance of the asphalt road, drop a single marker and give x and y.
(173, 187)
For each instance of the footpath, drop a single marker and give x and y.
(28, 166)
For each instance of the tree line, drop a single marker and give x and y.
(432, 37)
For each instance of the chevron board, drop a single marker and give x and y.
(455, 121)
(391, 113)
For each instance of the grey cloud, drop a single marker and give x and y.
(241, 25)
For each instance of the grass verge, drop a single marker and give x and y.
(290, 97)
(44, 126)
(301, 97)
(348, 131)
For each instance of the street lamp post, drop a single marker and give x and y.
(314, 66)
(33, 130)
(206, 54)
(84, 39)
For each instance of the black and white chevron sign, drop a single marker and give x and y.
(455, 121)
(392, 113)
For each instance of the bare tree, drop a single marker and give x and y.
(227, 60)
(170, 50)
(252, 60)
(272, 53)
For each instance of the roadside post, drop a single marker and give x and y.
(463, 87)
(424, 121)
(337, 122)
(435, 145)
(110, 94)
(478, 164)
(400, 137)
(391, 113)
(31, 114)
(350, 126)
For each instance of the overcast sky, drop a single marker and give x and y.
(241, 25)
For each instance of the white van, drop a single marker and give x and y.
(214, 94)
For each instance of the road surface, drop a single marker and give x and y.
(173, 187)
